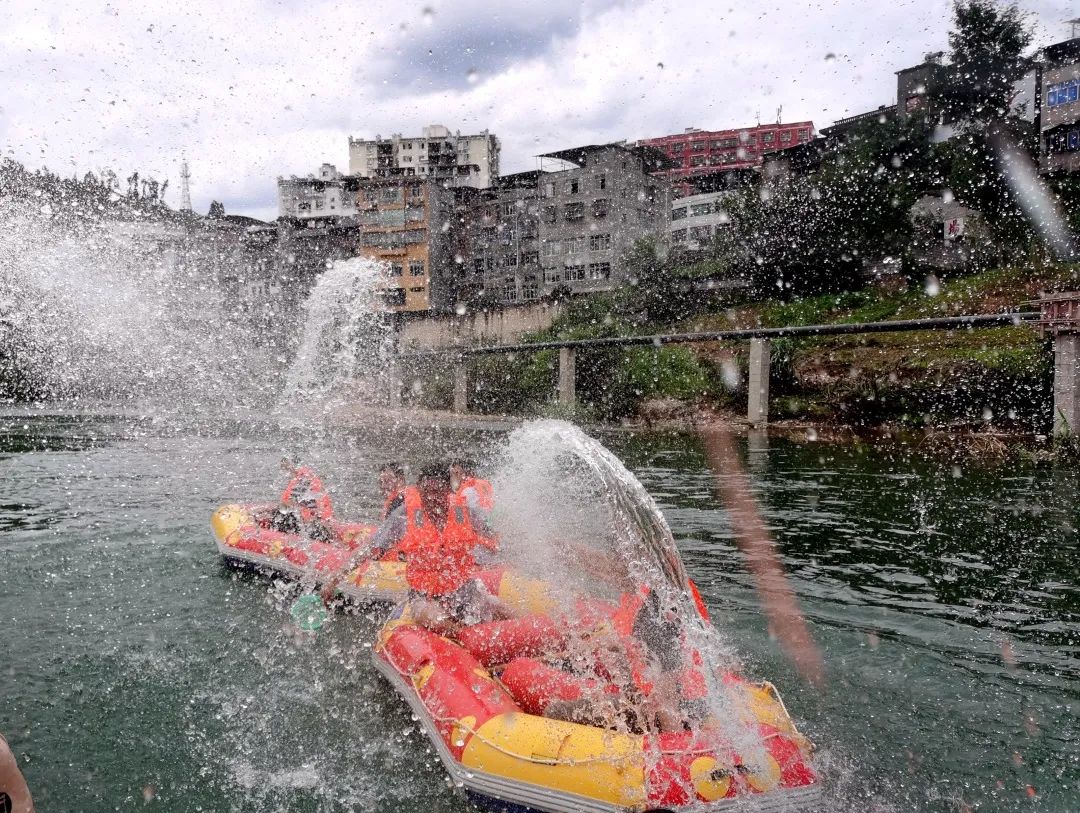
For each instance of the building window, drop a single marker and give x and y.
(529, 291)
(416, 268)
(697, 160)
(767, 138)
(549, 190)
(574, 211)
(530, 258)
(678, 214)
(678, 236)
(390, 194)
(599, 242)
(487, 234)
(804, 135)
(575, 245)
(552, 248)
(394, 296)
(700, 234)
(396, 269)
(699, 209)
(600, 207)
(508, 209)
(599, 271)
(697, 146)
(574, 273)
(785, 137)
(552, 275)
(510, 293)
(510, 261)
(551, 214)
(601, 181)
(678, 147)
(478, 263)
(418, 290)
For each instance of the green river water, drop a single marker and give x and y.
(137, 673)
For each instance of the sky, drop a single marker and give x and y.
(251, 90)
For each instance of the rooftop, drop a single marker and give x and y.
(652, 157)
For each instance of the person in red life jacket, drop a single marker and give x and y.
(474, 495)
(392, 487)
(304, 508)
(437, 546)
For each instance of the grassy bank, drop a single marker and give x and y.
(999, 377)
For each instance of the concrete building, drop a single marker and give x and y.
(450, 158)
(696, 153)
(696, 218)
(408, 223)
(504, 239)
(593, 213)
(328, 195)
(1059, 123)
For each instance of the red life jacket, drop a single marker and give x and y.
(484, 493)
(306, 491)
(438, 560)
(459, 505)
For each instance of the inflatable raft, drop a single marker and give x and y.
(606, 688)
(484, 717)
(245, 541)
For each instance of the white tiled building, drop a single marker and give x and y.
(437, 154)
(695, 219)
(330, 194)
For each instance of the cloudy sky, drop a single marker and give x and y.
(254, 89)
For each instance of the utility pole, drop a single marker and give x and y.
(185, 187)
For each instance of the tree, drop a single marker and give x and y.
(217, 209)
(986, 57)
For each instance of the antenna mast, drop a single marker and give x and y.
(185, 186)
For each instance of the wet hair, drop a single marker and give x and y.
(394, 468)
(435, 471)
(466, 465)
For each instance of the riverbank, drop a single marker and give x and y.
(995, 380)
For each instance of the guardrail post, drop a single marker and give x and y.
(1059, 316)
(567, 389)
(461, 386)
(757, 408)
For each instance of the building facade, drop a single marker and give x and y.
(1059, 123)
(407, 223)
(695, 219)
(437, 154)
(697, 153)
(592, 214)
(504, 239)
(328, 195)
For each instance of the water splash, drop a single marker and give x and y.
(135, 310)
(346, 337)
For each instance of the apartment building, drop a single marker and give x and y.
(324, 196)
(1059, 125)
(437, 154)
(593, 212)
(695, 219)
(407, 223)
(504, 239)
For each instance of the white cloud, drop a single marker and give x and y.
(252, 90)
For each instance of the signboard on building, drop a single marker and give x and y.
(954, 228)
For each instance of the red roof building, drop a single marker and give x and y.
(708, 152)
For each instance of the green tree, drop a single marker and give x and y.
(986, 58)
(217, 209)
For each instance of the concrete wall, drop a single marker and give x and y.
(483, 327)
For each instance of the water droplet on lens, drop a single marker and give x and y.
(829, 57)
(472, 76)
(427, 15)
(933, 286)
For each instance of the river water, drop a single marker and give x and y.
(135, 672)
